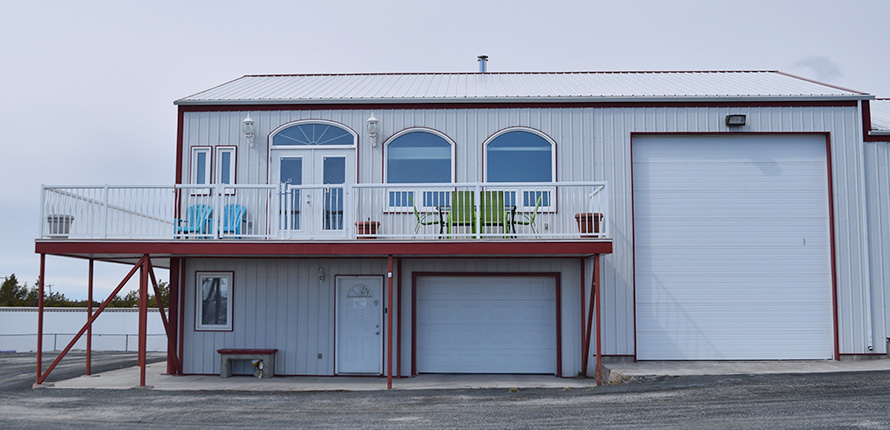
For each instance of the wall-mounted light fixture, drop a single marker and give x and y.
(248, 126)
(373, 129)
(321, 274)
(735, 120)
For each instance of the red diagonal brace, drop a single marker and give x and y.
(80, 333)
(154, 283)
(167, 325)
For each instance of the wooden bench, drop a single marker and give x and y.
(227, 355)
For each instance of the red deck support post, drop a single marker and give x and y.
(143, 318)
(181, 316)
(399, 327)
(599, 352)
(389, 324)
(585, 360)
(40, 319)
(90, 315)
(583, 299)
(173, 319)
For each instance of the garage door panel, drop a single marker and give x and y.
(745, 179)
(729, 205)
(469, 312)
(507, 326)
(735, 230)
(729, 294)
(732, 247)
(716, 261)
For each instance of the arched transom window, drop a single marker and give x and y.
(313, 134)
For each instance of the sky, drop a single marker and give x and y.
(87, 86)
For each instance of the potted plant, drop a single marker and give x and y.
(367, 229)
(589, 223)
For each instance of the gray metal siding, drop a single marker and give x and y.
(594, 144)
(279, 303)
(877, 185)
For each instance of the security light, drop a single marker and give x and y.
(735, 120)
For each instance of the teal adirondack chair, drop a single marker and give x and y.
(234, 217)
(197, 222)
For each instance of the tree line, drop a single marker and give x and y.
(14, 294)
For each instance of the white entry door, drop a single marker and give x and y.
(312, 199)
(360, 325)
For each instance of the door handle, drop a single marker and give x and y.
(308, 199)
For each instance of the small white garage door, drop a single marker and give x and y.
(488, 324)
(731, 248)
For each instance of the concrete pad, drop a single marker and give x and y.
(619, 372)
(612, 373)
(129, 379)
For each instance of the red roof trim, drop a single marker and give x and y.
(506, 105)
(866, 125)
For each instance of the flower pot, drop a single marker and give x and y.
(59, 225)
(589, 223)
(367, 229)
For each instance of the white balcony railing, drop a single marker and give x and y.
(559, 210)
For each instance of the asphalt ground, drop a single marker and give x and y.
(775, 401)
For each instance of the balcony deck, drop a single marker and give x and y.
(121, 223)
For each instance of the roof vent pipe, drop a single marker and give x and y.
(483, 63)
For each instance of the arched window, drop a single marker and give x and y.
(418, 157)
(313, 134)
(520, 155)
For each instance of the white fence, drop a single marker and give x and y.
(557, 210)
(116, 329)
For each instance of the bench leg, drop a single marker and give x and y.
(225, 367)
(269, 366)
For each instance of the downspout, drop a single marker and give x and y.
(863, 207)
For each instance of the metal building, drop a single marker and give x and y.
(396, 224)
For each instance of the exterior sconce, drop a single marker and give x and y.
(321, 274)
(248, 126)
(735, 120)
(373, 129)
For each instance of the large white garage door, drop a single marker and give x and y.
(486, 324)
(731, 248)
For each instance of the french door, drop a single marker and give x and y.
(312, 197)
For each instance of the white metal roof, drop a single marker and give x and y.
(517, 87)
(880, 115)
